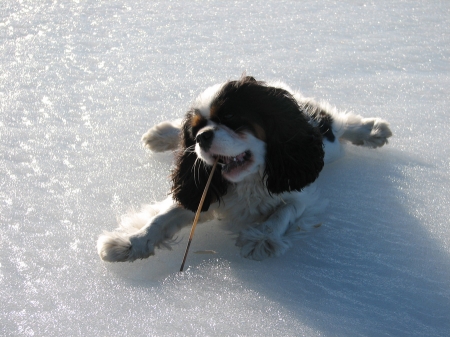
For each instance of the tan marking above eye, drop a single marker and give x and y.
(196, 120)
(213, 111)
(260, 133)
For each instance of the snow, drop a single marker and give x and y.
(81, 81)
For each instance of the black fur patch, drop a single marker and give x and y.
(324, 122)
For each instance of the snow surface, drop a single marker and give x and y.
(80, 81)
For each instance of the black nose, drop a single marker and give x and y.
(205, 139)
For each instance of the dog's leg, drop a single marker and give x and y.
(129, 245)
(267, 239)
(162, 137)
(370, 132)
(290, 220)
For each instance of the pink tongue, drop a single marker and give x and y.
(240, 157)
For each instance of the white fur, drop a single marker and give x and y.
(267, 224)
(202, 102)
(163, 136)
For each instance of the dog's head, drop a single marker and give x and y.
(252, 128)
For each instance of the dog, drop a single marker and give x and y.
(271, 143)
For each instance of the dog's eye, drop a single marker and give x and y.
(228, 116)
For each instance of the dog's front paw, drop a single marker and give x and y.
(257, 245)
(113, 247)
(161, 137)
(118, 247)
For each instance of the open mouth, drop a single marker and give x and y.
(230, 164)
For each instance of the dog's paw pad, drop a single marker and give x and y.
(377, 133)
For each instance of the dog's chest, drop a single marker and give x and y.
(246, 203)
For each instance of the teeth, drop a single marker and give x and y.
(228, 163)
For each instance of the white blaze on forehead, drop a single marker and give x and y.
(210, 125)
(204, 100)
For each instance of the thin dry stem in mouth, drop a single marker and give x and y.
(197, 214)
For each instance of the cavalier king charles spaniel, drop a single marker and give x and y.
(271, 144)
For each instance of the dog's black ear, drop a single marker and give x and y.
(294, 152)
(191, 173)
